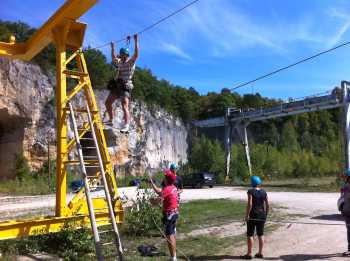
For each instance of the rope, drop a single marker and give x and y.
(289, 66)
(165, 237)
(147, 28)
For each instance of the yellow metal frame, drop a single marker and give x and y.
(66, 33)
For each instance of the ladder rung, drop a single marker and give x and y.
(88, 148)
(98, 186)
(80, 110)
(101, 213)
(106, 231)
(87, 163)
(103, 220)
(90, 157)
(75, 73)
(92, 177)
(100, 208)
(107, 243)
(86, 139)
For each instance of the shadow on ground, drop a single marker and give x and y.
(305, 257)
(224, 257)
(331, 217)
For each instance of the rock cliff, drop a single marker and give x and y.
(27, 125)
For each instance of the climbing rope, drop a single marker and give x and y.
(165, 237)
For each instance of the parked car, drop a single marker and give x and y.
(200, 179)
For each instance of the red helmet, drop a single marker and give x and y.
(170, 176)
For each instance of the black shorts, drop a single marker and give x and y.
(257, 226)
(169, 222)
(117, 88)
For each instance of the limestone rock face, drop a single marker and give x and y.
(156, 138)
(28, 118)
(24, 92)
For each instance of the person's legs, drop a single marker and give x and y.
(347, 223)
(172, 245)
(250, 234)
(109, 105)
(170, 232)
(125, 105)
(260, 232)
(250, 241)
(261, 245)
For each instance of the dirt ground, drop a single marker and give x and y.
(289, 242)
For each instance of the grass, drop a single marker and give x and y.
(194, 215)
(32, 184)
(321, 184)
(199, 213)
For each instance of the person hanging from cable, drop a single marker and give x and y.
(346, 207)
(121, 87)
(257, 211)
(169, 196)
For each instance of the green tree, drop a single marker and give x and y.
(100, 71)
(289, 138)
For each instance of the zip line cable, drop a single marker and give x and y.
(152, 25)
(289, 66)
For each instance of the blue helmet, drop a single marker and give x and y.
(347, 172)
(255, 181)
(173, 166)
(124, 51)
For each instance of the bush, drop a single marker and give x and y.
(22, 169)
(142, 218)
(70, 244)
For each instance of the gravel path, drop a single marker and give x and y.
(297, 242)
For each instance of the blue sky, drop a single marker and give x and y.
(221, 43)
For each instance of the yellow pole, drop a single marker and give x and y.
(60, 35)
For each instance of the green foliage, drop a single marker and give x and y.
(142, 217)
(100, 71)
(22, 169)
(208, 155)
(70, 244)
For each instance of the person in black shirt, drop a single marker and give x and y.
(257, 210)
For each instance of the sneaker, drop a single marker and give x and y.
(125, 128)
(259, 255)
(246, 257)
(347, 254)
(172, 259)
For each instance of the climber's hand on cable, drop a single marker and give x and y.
(135, 37)
(112, 45)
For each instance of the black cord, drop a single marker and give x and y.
(152, 25)
(289, 66)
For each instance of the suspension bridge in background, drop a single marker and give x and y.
(236, 121)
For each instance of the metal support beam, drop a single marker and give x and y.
(228, 143)
(60, 36)
(241, 129)
(346, 113)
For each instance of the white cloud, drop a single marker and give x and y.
(344, 26)
(174, 50)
